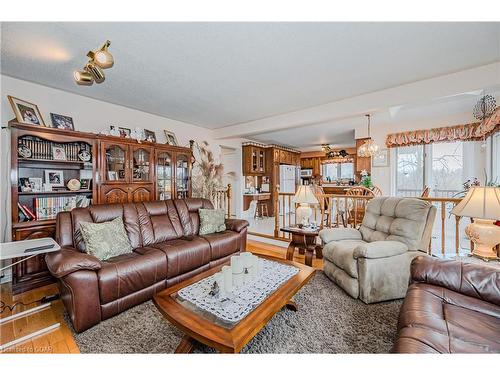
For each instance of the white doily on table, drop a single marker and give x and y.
(234, 306)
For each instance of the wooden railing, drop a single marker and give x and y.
(336, 210)
(222, 200)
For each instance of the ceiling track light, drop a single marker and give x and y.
(93, 70)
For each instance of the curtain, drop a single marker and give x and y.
(468, 132)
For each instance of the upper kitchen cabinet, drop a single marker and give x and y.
(254, 160)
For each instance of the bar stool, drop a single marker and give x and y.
(263, 210)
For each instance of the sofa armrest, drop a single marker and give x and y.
(68, 260)
(236, 225)
(379, 249)
(474, 280)
(339, 234)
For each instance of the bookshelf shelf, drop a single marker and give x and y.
(61, 192)
(26, 160)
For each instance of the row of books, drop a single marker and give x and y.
(49, 207)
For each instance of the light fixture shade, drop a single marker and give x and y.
(102, 57)
(368, 149)
(481, 202)
(96, 72)
(82, 77)
(305, 194)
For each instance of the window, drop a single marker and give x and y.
(443, 166)
(337, 171)
(409, 171)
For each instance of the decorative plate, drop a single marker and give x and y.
(74, 184)
(84, 155)
(24, 151)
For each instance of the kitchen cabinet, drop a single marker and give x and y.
(254, 160)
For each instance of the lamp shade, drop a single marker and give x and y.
(482, 202)
(305, 195)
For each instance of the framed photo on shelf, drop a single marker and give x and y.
(58, 153)
(62, 122)
(54, 178)
(171, 138)
(24, 184)
(85, 183)
(124, 132)
(150, 136)
(112, 176)
(36, 184)
(26, 113)
(381, 159)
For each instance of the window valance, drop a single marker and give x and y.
(468, 132)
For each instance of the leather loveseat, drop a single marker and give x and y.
(167, 250)
(450, 307)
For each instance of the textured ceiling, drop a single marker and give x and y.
(219, 74)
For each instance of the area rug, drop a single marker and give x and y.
(328, 321)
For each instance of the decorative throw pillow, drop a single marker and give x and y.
(106, 240)
(212, 221)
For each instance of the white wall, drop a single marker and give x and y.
(92, 116)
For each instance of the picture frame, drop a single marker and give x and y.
(26, 112)
(124, 132)
(62, 122)
(150, 135)
(85, 183)
(381, 159)
(58, 153)
(171, 138)
(24, 184)
(36, 184)
(54, 177)
(112, 176)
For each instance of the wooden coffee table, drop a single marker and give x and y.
(204, 327)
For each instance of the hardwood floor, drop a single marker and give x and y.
(61, 340)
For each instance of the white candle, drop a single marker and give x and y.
(237, 270)
(228, 278)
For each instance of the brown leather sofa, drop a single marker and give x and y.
(167, 250)
(450, 307)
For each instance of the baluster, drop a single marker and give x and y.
(457, 234)
(443, 220)
(229, 197)
(338, 211)
(290, 210)
(276, 211)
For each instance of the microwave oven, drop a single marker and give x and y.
(306, 173)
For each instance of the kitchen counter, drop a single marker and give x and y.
(255, 194)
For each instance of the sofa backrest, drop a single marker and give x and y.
(146, 223)
(407, 220)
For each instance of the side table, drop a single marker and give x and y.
(305, 241)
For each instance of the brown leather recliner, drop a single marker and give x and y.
(167, 250)
(450, 307)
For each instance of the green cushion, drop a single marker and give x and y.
(106, 240)
(212, 221)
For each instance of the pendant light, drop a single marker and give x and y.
(369, 148)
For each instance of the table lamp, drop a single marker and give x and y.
(483, 204)
(304, 197)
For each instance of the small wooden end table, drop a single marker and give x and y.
(305, 241)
